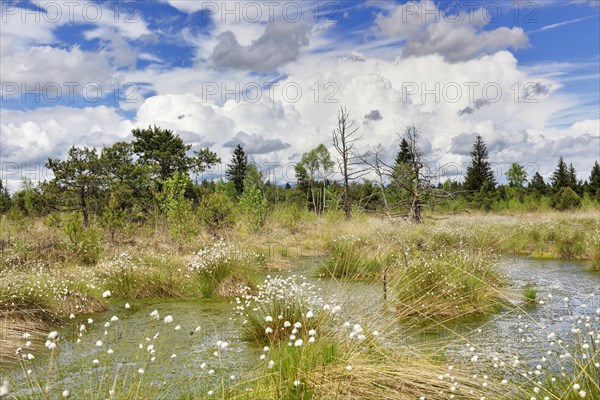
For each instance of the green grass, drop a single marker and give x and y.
(350, 256)
(447, 284)
(529, 293)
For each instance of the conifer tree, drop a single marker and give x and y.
(479, 174)
(236, 171)
(560, 176)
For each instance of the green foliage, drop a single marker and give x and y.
(537, 185)
(594, 182)
(516, 175)
(4, 198)
(84, 243)
(165, 153)
(566, 199)
(311, 174)
(404, 153)
(113, 218)
(236, 171)
(288, 216)
(479, 174)
(529, 293)
(177, 208)
(53, 221)
(129, 182)
(252, 202)
(77, 180)
(560, 177)
(217, 212)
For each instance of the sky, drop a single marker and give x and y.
(271, 76)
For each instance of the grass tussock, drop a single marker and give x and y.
(314, 347)
(446, 285)
(285, 309)
(351, 256)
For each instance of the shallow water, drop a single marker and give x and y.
(564, 289)
(495, 335)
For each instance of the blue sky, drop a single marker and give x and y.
(270, 75)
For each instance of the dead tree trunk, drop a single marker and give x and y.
(344, 140)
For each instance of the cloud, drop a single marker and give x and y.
(374, 115)
(31, 54)
(33, 136)
(571, 21)
(256, 144)
(476, 106)
(280, 44)
(46, 64)
(369, 82)
(428, 30)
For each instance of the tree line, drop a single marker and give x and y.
(151, 177)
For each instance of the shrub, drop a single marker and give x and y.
(177, 207)
(254, 205)
(217, 212)
(566, 199)
(83, 243)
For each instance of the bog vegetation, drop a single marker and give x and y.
(135, 221)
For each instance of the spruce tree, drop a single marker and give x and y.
(573, 184)
(537, 183)
(403, 155)
(479, 174)
(236, 171)
(560, 177)
(594, 184)
(4, 198)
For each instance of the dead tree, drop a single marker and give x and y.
(344, 139)
(410, 174)
(373, 159)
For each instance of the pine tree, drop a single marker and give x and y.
(77, 180)
(162, 150)
(236, 171)
(560, 177)
(479, 173)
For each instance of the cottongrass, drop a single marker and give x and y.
(284, 309)
(338, 357)
(446, 284)
(224, 269)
